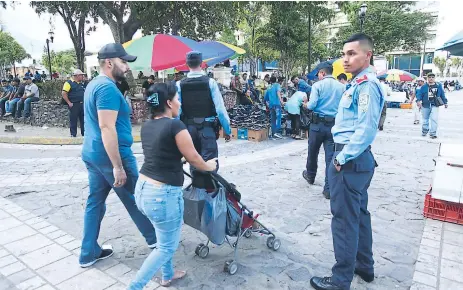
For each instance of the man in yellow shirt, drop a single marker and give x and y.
(73, 95)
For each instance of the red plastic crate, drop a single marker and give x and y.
(442, 210)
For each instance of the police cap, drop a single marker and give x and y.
(194, 59)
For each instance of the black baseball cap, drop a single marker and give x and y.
(16, 80)
(115, 50)
(431, 74)
(194, 58)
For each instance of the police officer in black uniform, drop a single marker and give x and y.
(73, 95)
(203, 110)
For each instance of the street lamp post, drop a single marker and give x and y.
(362, 14)
(51, 34)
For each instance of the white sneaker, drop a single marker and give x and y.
(7, 114)
(153, 246)
(277, 136)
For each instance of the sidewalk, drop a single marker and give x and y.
(440, 258)
(26, 134)
(37, 255)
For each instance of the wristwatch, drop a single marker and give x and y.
(336, 162)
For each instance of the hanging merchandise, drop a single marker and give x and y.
(250, 117)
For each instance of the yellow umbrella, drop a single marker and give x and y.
(238, 50)
(338, 69)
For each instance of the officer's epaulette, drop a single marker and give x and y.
(361, 80)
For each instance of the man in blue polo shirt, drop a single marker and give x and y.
(107, 152)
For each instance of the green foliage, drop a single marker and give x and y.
(456, 62)
(10, 50)
(74, 14)
(198, 20)
(228, 35)
(440, 62)
(392, 26)
(63, 61)
(51, 90)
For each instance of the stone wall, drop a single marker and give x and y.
(50, 113)
(53, 114)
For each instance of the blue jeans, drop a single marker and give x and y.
(433, 115)
(275, 119)
(163, 205)
(27, 106)
(101, 180)
(10, 105)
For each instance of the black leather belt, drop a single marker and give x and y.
(201, 122)
(339, 147)
(323, 119)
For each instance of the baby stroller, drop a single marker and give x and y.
(213, 206)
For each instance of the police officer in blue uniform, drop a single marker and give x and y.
(202, 108)
(352, 168)
(324, 102)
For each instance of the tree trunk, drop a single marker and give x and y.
(310, 43)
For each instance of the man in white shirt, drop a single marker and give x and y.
(31, 94)
(387, 92)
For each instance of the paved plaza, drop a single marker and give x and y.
(43, 193)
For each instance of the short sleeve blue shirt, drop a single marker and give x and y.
(274, 100)
(103, 94)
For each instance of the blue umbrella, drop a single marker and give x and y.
(220, 52)
(454, 45)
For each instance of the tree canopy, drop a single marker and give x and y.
(63, 61)
(74, 14)
(10, 50)
(392, 26)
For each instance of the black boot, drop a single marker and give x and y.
(326, 194)
(309, 179)
(367, 277)
(325, 283)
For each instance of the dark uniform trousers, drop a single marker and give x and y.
(204, 140)
(76, 112)
(320, 133)
(351, 223)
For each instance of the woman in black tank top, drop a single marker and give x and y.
(158, 193)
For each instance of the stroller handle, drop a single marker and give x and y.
(217, 179)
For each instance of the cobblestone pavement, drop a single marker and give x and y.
(51, 183)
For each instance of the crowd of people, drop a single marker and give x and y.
(185, 116)
(16, 97)
(184, 121)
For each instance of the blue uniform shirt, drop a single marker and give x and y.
(103, 94)
(304, 87)
(216, 98)
(325, 96)
(358, 115)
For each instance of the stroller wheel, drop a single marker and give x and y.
(202, 251)
(248, 233)
(231, 267)
(273, 243)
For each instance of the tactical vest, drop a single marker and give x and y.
(76, 93)
(196, 98)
